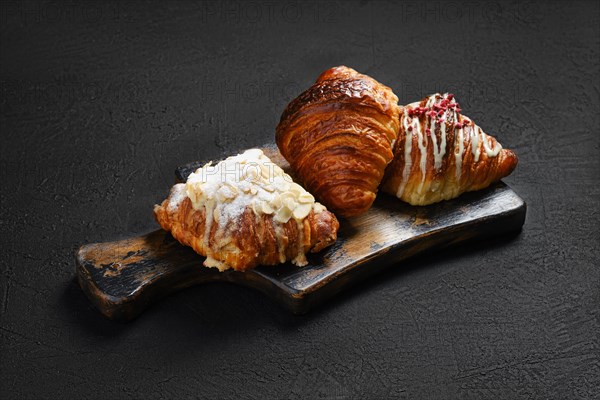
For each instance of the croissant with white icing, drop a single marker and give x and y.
(338, 137)
(244, 212)
(440, 154)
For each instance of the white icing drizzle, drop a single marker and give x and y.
(436, 157)
(438, 153)
(407, 155)
(422, 149)
(423, 137)
(412, 124)
(489, 151)
(442, 153)
(280, 245)
(475, 141)
(300, 259)
(478, 138)
(459, 155)
(224, 191)
(209, 217)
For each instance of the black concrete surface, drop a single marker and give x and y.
(101, 101)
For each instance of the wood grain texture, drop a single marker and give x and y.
(121, 278)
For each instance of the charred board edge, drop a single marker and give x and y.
(189, 273)
(162, 283)
(506, 222)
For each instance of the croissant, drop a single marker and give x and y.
(244, 212)
(338, 137)
(441, 153)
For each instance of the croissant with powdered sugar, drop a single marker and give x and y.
(244, 212)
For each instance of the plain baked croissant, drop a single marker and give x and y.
(244, 212)
(338, 137)
(440, 154)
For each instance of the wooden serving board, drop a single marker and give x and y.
(122, 278)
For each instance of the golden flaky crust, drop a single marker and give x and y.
(251, 240)
(465, 164)
(338, 136)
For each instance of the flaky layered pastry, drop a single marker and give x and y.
(245, 211)
(338, 137)
(441, 153)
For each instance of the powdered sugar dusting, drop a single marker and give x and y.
(249, 179)
(178, 194)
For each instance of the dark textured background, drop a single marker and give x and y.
(101, 101)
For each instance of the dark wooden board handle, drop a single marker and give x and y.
(122, 278)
